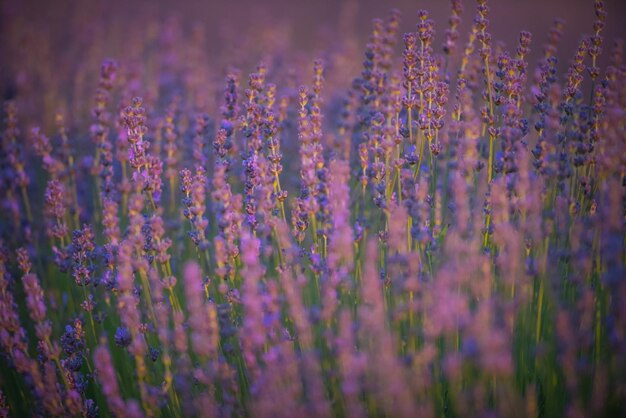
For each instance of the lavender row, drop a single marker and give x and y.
(442, 236)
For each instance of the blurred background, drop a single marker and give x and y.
(51, 50)
(306, 21)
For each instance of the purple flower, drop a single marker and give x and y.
(122, 337)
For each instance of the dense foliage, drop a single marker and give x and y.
(444, 236)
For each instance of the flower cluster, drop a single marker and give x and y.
(409, 231)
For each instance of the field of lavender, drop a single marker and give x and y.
(431, 227)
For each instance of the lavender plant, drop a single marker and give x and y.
(443, 236)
